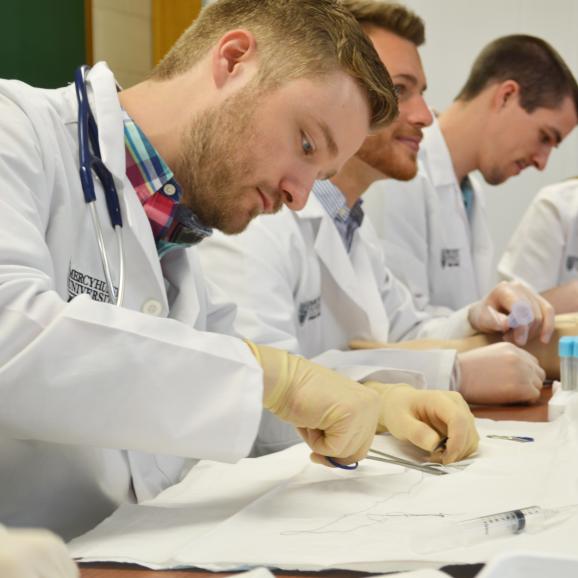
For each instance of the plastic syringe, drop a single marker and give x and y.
(448, 535)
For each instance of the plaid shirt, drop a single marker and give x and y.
(346, 220)
(173, 224)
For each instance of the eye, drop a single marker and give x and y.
(545, 138)
(400, 90)
(307, 145)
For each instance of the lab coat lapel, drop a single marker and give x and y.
(369, 296)
(444, 178)
(439, 163)
(340, 278)
(482, 245)
(473, 238)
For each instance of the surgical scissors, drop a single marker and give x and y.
(434, 469)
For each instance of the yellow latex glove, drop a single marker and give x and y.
(337, 417)
(425, 417)
(34, 554)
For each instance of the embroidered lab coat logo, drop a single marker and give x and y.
(450, 258)
(79, 283)
(572, 263)
(309, 310)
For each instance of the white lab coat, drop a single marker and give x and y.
(444, 260)
(98, 403)
(543, 251)
(298, 289)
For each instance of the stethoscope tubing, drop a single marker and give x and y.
(89, 163)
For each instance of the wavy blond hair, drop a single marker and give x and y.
(295, 39)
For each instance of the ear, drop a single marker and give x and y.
(234, 57)
(505, 93)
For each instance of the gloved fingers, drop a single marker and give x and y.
(536, 377)
(543, 313)
(549, 320)
(67, 566)
(321, 460)
(541, 374)
(458, 399)
(487, 319)
(535, 388)
(325, 443)
(324, 461)
(419, 433)
(61, 562)
(450, 414)
(528, 357)
(42, 553)
(463, 440)
(520, 334)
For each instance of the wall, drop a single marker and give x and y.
(122, 36)
(456, 32)
(42, 43)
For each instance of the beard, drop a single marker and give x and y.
(391, 158)
(212, 165)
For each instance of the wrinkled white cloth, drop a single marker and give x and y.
(281, 511)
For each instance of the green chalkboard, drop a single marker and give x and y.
(42, 41)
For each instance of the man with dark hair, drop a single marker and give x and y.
(519, 102)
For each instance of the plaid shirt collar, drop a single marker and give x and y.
(173, 224)
(346, 220)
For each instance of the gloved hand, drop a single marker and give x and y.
(34, 554)
(490, 315)
(500, 373)
(337, 417)
(424, 417)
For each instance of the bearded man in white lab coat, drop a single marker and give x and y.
(312, 281)
(102, 404)
(519, 102)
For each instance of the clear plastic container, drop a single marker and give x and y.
(566, 353)
(521, 314)
(574, 365)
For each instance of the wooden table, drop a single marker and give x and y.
(536, 412)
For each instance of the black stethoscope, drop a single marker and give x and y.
(89, 162)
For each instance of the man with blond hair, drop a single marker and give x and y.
(112, 384)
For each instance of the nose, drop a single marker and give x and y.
(540, 159)
(419, 113)
(295, 190)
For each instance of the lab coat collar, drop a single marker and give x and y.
(436, 156)
(108, 113)
(313, 209)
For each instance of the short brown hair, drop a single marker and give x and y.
(544, 78)
(296, 39)
(392, 17)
